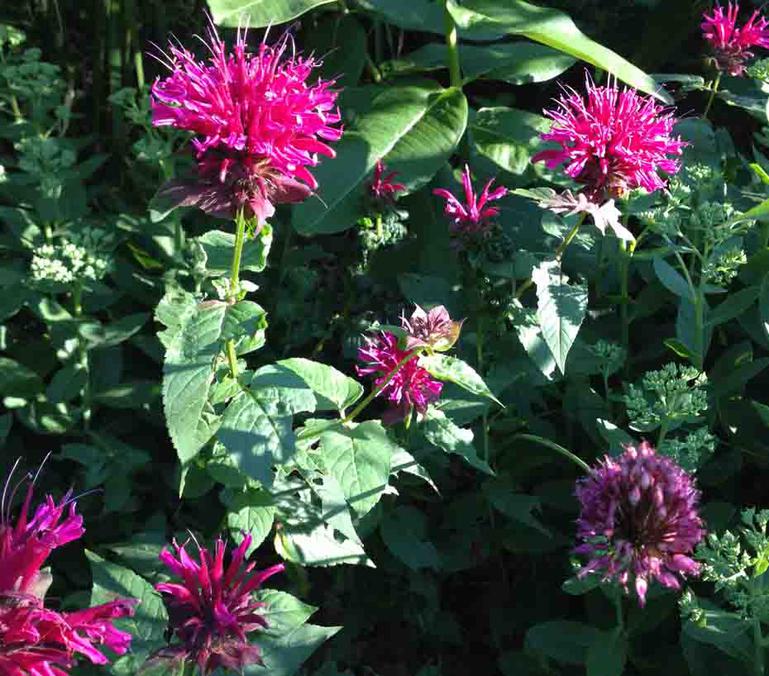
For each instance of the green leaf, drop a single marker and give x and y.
(501, 494)
(259, 13)
(763, 304)
(440, 431)
(285, 654)
(607, 654)
(219, 246)
(552, 28)
(283, 612)
(420, 15)
(414, 129)
(561, 308)
(508, 136)
(106, 335)
(404, 532)
(403, 461)
(733, 306)
(319, 546)
(671, 279)
(148, 625)
(17, 380)
(66, 384)
(359, 457)
(334, 390)
(454, 370)
(562, 640)
(252, 512)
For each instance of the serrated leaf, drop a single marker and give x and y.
(219, 246)
(285, 654)
(283, 612)
(335, 390)
(443, 433)
(561, 308)
(319, 546)
(251, 512)
(404, 531)
(359, 459)
(454, 370)
(414, 129)
(148, 625)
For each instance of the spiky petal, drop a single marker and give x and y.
(259, 125)
(411, 388)
(639, 520)
(612, 141)
(732, 45)
(473, 216)
(212, 609)
(383, 186)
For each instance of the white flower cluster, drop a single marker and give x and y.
(71, 261)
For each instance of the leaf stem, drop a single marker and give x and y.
(713, 92)
(555, 447)
(359, 408)
(627, 255)
(237, 255)
(452, 45)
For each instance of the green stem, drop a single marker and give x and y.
(555, 447)
(379, 229)
(618, 610)
(713, 92)
(452, 44)
(82, 350)
(359, 408)
(559, 252)
(237, 255)
(627, 255)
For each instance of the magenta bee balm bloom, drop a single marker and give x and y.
(611, 141)
(732, 45)
(35, 640)
(383, 186)
(212, 609)
(412, 387)
(473, 216)
(258, 124)
(638, 520)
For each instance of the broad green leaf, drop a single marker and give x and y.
(561, 308)
(508, 136)
(414, 129)
(334, 390)
(512, 62)
(219, 246)
(607, 654)
(359, 457)
(440, 431)
(562, 640)
(555, 29)
(251, 512)
(281, 390)
(17, 380)
(148, 625)
(285, 654)
(726, 631)
(454, 370)
(403, 461)
(319, 546)
(66, 384)
(259, 13)
(733, 305)
(105, 335)
(404, 531)
(514, 505)
(283, 612)
(760, 211)
(671, 279)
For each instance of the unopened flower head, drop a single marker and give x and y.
(383, 186)
(212, 609)
(639, 520)
(433, 328)
(473, 217)
(732, 45)
(35, 639)
(258, 123)
(611, 140)
(411, 388)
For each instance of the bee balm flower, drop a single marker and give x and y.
(732, 45)
(383, 186)
(212, 610)
(611, 141)
(638, 520)
(258, 124)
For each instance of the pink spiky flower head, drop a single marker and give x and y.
(411, 388)
(35, 639)
(473, 217)
(383, 186)
(211, 609)
(638, 520)
(259, 124)
(611, 140)
(732, 46)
